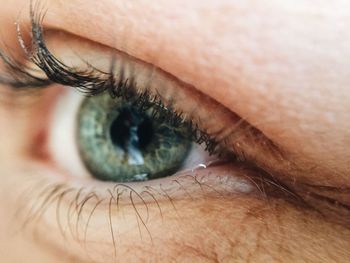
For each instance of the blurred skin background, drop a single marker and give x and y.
(280, 68)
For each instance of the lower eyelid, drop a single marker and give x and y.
(66, 206)
(203, 226)
(221, 179)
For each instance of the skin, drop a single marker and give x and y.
(280, 65)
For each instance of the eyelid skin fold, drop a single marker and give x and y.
(266, 75)
(232, 212)
(246, 142)
(210, 118)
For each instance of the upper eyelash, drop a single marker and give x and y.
(92, 82)
(20, 75)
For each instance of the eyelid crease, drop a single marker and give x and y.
(221, 130)
(92, 81)
(242, 139)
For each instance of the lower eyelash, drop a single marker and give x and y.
(76, 207)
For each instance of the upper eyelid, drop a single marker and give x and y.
(93, 81)
(90, 80)
(91, 75)
(243, 135)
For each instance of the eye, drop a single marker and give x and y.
(128, 122)
(119, 140)
(121, 144)
(93, 69)
(138, 122)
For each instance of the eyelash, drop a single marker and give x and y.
(91, 82)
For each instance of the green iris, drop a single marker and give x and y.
(119, 142)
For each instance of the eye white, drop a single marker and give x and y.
(62, 133)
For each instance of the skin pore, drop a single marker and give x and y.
(280, 65)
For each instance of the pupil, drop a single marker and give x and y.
(131, 128)
(145, 133)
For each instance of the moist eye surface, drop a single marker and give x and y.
(120, 142)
